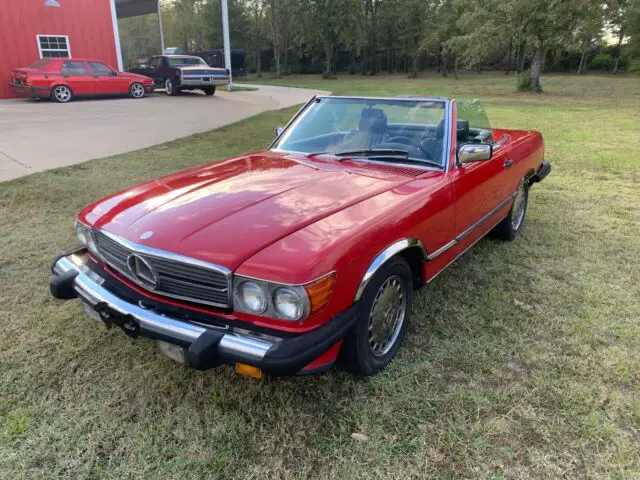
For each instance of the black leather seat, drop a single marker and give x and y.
(432, 146)
(462, 131)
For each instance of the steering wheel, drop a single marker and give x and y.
(401, 139)
(423, 150)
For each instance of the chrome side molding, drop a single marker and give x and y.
(470, 229)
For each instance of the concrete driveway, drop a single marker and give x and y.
(40, 135)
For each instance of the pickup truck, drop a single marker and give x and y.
(176, 73)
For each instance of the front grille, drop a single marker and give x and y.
(177, 277)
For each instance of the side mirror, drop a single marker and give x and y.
(114, 73)
(470, 152)
(279, 130)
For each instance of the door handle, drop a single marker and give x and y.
(507, 163)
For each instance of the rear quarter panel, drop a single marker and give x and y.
(526, 149)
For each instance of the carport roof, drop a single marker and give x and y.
(133, 8)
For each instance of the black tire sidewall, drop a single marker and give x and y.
(174, 89)
(359, 358)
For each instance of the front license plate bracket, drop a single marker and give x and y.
(127, 323)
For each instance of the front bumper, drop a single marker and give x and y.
(205, 346)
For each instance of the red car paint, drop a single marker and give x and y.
(39, 82)
(292, 218)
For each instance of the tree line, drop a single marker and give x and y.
(370, 36)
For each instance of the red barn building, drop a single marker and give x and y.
(33, 29)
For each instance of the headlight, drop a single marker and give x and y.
(84, 235)
(253, 297)
(284, 302)
(289, 302)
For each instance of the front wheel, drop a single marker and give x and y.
(385, 309)
(170, 87)
(136, 90)
(513, 223)
(61, 94)
(209, 90)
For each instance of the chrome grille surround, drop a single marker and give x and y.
(179, 277)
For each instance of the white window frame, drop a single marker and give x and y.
(68, 50)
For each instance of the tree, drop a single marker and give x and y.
(328, 24)
(589, 27)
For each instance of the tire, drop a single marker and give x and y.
(61, 94)
(509, 228)
(363, 353)
(209, 90)
(170, 87)
(136, 90)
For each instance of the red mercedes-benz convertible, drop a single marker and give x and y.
(287, 260)
(62, 79)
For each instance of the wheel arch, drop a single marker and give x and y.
(60, 84)
(529, 177)
(411, 249)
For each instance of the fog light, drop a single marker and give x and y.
(248, 370)
(174, 352)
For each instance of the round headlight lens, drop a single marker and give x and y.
(288, 303)
(254, 297)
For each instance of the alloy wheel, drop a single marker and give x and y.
(387, 315)
(519, 205)
(62, 94)
(168, 86)
(137, 90)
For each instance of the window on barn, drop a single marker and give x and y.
(54, 46)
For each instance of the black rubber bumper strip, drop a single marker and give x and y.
(287, 357)
(545, 169)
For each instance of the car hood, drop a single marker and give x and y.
(225, 212)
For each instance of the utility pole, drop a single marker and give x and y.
(161, 29)
(225, 34)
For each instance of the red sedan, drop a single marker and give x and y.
(287, 260)
(62, 79)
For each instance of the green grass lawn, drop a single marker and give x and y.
(522, 361)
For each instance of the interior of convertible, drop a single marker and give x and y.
(421, 135)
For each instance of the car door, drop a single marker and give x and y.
(156, 73)
(479, 186)
(107, 81)
(77, 76)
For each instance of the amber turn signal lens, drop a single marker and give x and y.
(248, 370)
(320, 291)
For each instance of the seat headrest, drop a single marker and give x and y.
(462, 127)
(373, 119)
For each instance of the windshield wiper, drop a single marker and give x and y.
(379, 154)
(371, 152)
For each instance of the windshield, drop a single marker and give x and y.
(182, 61)
(340, 124)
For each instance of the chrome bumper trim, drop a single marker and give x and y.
(197, 82)
(88, 285)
